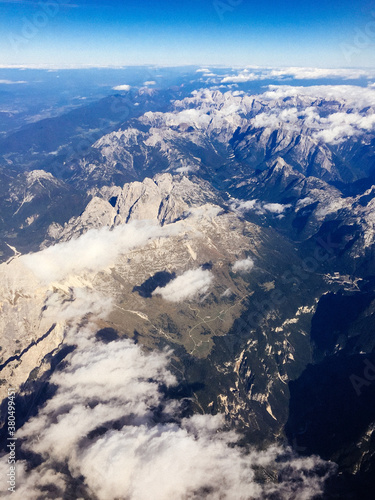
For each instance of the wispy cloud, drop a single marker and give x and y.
(242, 77)
(258, 206)
(12, 82)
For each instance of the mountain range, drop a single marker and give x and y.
(232, 232)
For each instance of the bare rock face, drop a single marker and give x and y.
(240, 131)
(27, 334)
(165, 199)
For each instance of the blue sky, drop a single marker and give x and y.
(330, 33)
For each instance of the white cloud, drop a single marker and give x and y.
(82, 301)
(151, 82)
(317, 73)
(257, 206)
(327, 113)
(243, 265)
(264, 120)
(297, 74)
(304, 202)
(186, 169)
(241, 78)
(11, 82)
(124, 88)
(188, 285)
(246, 205)
(350, 115)
(243, 206)
(95, 250)
(151, 448)
(203, 70)
(354, 95)
(207, 211)
(340, 126)
(275, 208)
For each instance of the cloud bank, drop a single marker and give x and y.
(110, 431)
(353, 95)
(297, 73)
